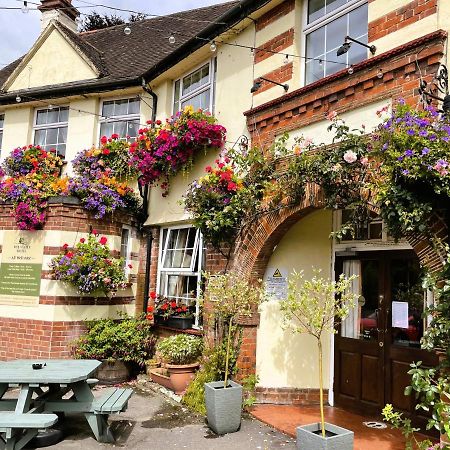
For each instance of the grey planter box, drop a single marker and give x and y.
(223, 406)
(307, 439)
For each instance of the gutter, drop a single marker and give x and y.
(148, 258)
(231, 18)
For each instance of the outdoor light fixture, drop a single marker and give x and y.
(439, 84)
(257, 84)
(345, 47)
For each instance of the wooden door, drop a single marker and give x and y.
(373, 356)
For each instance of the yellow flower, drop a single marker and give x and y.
(189, 109)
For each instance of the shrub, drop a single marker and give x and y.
(180, 349)
(127, 339)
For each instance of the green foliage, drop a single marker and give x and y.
(212, 369)
(180, 349)
(127, 339)
(249, 387)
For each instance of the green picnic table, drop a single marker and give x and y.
(59, 386)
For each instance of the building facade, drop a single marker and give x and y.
(111, 81)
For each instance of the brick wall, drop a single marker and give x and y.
(25, 338)
(289, 396)
(277, 44)
(401, 17)
(280, 75)
(274, 14)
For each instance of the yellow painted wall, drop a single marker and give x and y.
(284, 359)
(16, 131)
(54, 62)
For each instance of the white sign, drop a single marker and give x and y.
(276, 283)
(400, 315)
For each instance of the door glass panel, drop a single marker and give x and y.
(407, 292)
(368, 303)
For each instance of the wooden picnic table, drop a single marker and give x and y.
(44, 392)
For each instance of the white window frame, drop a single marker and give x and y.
(52, 125)
(211, 85)
(127, 256)
(2, 126)
(198, 247)
(322, 21)
(121, 118)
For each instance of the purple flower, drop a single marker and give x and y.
(410, 132)
(425, 151)
(385, 146)
(400, 158)
(409, 153)
(405, 172)
(423, 133)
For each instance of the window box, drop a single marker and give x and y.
(180, 323)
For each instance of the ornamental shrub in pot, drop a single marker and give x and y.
(180, 354)
(231, 297)
(314, 307)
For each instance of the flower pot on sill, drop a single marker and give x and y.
(223, 406)
(181, 323)
(309, 437)
(181, 375)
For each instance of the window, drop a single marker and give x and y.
(329, 21)
(180, 266)
(50, 129)
(196, 89)
(2, 123)
(120, 117)
(125, 248)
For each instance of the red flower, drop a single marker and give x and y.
(153, 295)
(164, 306)
(184, 308)
(150, 308)
(103, 139)
(103, 240)
(149, 316)
(106, 151)
(115, 136)
(82, 240)
(130, 266)
(173, 304)
(69, 254)
(94, 232)
(158, 122)
(231, 186)
(65, 246)
(208, 169)
(178, 310)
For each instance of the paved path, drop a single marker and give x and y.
(155, 422)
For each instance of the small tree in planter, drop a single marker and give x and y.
(315, 307)
(231, 297)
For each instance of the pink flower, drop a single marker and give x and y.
(103, 240)
(364, 161)
(103, 139)
(94, 232)
(350, 156)
(332, 115)
(115, 136)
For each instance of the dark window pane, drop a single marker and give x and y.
(336, 32)
(316, 9)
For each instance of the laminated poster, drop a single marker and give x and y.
(400, 315)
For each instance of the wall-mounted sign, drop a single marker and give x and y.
(21, 266)
(276, 280)
(400, 316)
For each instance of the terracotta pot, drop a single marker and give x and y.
(181, 375)
(160, 376)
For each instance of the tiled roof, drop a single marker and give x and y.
(118, 56)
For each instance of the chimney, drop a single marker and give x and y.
(60, 11)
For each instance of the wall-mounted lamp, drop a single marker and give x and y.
(257, 84)
(345, 47)
(438, 85)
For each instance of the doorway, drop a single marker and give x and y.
(380, 338)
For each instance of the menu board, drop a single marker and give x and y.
(21, 267)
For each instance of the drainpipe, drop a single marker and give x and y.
(145, 205)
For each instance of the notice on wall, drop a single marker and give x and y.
(400, 315)
(21, 266)
(276, 280)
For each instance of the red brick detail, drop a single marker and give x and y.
(280, 75)
(274, 14)
(66, 300)
(401, 17)
(277, 44)
(24, 338)
(289, 396)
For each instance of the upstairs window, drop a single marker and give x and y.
(196, 89)
(329, 21)
(2, 123)
(50, 129)
(120, 117)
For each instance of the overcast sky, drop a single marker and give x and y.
(18, 31)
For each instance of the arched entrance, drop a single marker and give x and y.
(385, 364)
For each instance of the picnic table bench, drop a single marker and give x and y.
(43, 392)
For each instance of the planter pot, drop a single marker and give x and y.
(149, 366)
(181, 323)
(309, 437)
(181, 375)
(161, 376)
(223, 406)
(113, 372)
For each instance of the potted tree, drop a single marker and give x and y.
(180, 354)
(315, 307)
(230, 297)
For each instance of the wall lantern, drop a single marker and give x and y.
(438, 85)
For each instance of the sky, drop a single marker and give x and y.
(18, 30)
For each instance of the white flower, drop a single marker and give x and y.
(364, 161)
(350, 156)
